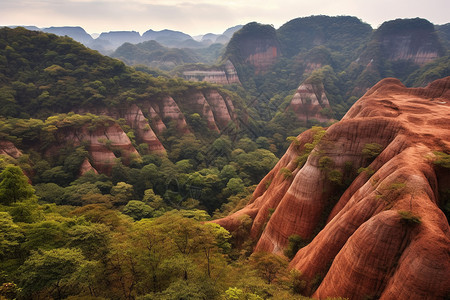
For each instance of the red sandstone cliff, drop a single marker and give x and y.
(263, 58)
(309, 101)
(365, 242)
(104, 143)
(149, 118)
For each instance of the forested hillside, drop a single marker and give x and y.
(342, 55)
(110, 173)
(107, 173)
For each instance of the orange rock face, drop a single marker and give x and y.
(380, 233)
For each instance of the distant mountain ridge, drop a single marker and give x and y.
(339, 56)
(107, 42)
(343, 56)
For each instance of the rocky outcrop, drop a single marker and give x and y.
(224, 75)
(149, 118)
(263, 58)
(309, 101)
(380, 233)
(222, 108)
(410, 39)
(163, 110)
(143, 131)
(9, 149)
(197, 103)
(104, 144)
(136, 120)
(254, 45)
(86, 167)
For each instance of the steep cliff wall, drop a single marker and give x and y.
(225, 74)
(149, 118)
(309, 101)
(135, 119)
(104, 143)
(263, 57)
(385, 235)
(255, 45)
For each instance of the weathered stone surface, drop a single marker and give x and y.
(223, 113)
(309, 101)
(363, 238)
(101, 144)
(144, 133)
(87, 167)
(225, 74)
(135, 119)
(163, 110)
(197, 102)
(9, 149)
(263, 58)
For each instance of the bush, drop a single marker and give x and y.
(409, 217)
(286, 172)
(296, 242)
(372, 150)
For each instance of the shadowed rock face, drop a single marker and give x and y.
(364, 238)
(7, 148)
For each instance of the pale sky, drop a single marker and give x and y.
(204, 16)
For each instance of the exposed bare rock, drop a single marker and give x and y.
(230, 70)
(197, 103)
(165, 109)
(157, 124)
(222, 110)
(86, 167)
(309, 101)
(222, 75)
(263, 58)
(102, 142)
(135, 119)
(142, 128)
(383, 234)
(9, 149)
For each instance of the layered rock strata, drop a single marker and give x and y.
(381, 233)
(309, 102)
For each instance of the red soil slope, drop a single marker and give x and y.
(364, 241)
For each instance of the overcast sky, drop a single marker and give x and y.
(203, 16)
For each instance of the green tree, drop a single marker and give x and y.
(235, 185)
(123, 192)
(53, 272)
(10, 235)
(268, 265)
(92, 239)
(138, 210)
(14, 185)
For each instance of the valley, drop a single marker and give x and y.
(310, 160)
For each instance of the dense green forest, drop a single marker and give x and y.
(137, 232)
(346, 53)
(152, 54)
(140, 231)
